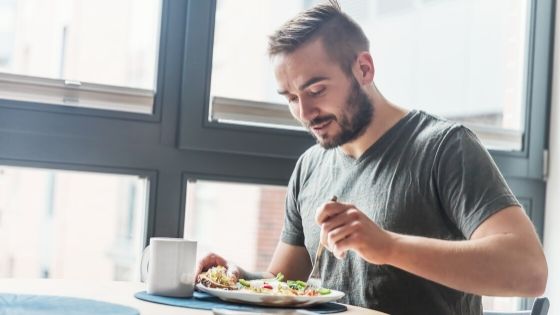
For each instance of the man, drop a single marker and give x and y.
(424, 222)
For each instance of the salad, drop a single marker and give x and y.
(218, 277)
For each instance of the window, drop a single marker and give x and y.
(58, 52)
(141, 146)
(252, 99)
(70, 225)
(241, 222)
(464, 60)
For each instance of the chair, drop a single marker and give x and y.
(540, 307)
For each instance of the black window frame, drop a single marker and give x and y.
(200, 134)
(56, 137)
(525, 170)
(177, 138)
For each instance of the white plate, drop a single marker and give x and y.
(265, 299)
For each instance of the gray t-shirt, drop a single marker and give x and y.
(425, 176)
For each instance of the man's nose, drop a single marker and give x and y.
(307, 110)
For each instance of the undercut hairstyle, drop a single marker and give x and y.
(342, 37)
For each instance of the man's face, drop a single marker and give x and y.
(323, 98)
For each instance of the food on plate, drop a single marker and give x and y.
(218, 277)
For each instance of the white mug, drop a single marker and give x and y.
(168, 266)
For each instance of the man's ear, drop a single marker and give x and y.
(364, 69)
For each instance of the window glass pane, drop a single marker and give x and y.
(464, 60)
(244, 72)
(461, 59)
(241, 222)
(503, 304)
(70, 225)
(97, 41)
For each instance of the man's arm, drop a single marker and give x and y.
(293, 261)
(503, 256)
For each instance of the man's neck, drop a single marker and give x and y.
(385, 116)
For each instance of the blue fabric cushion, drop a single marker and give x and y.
(204, 301)
(24, 304)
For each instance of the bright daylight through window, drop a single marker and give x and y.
(58, 52)
(464, 60)
(70, 225)
(239, 221)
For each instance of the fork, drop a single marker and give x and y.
(314, 279)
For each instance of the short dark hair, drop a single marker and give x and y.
(342, 37)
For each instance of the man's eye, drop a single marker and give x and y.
(292, 99)
(316, 92)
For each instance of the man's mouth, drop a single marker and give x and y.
(321, 126)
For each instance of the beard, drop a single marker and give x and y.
(353, 121)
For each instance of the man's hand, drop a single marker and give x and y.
(344, 227)
(212, 260)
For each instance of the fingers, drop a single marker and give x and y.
(345, 217)
(340, 228)
(343, 245)
(341, 233)
(338, 220)
(329, 210)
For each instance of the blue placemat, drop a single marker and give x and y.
(205, 301)
(20, 304)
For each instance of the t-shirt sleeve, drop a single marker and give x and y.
(292, 231)
(471, 188)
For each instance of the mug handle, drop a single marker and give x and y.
(145, 264)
